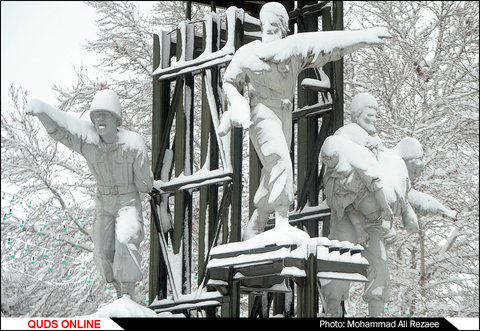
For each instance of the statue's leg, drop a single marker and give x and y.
(103, 236)
(377, 288)
(334, 292)
(268, 138)
(127, 261)
(256, 224)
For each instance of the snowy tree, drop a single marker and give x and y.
(426, 81)
(56, 180)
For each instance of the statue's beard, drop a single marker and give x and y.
(267, 38)
(370, 128)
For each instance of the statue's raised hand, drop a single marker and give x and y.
(37, 108)
(376, 36)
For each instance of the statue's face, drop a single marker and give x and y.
(367, 118)
(331, 160)
(414, 167)
(105, 123)
(271, 30)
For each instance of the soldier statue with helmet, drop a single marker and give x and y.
(119, 162)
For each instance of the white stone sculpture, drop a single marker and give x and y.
(411, 151)
(119, 162)
(269, 68)
(361, 178)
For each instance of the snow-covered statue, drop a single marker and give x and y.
(366, 186)
(119, 162)
(269, 68)
(411, 151)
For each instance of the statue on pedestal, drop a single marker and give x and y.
(119, 162)
(366, 186)
(269, 68)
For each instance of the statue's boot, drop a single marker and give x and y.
(128, 288)
(118, 288)
(375, 308)
(256, 225)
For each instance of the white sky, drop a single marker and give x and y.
(40, 44)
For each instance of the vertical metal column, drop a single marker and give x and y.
(232, 309)
(332, 19)
(209, 153)
(182, 231)
(307, 126)
(161, 106)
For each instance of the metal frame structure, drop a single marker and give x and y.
(317, 115)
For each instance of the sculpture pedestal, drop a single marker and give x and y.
(265, 262)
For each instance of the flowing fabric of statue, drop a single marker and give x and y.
(366, 185)
(269, 69)
(119, 162)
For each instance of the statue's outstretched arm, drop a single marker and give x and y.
(426, 204)
(39, 109)
(63, 127)
(315, 49)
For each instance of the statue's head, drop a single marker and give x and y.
(364, 111)
(329, 152)
(106, 113)
(411, 151)
(273, 21)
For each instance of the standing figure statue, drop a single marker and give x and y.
(119, 162)
(269, 68)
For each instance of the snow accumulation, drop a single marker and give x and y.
(279, 235)
(79, 127)
(127, 224)
(208, 57)
(323, 42)
(124, 307)
(408, 148)
(131, 141)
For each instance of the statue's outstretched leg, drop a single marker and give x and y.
(256, 225)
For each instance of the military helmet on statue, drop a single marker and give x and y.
(107, 100)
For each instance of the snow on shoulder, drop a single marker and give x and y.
(131, 141)
(124, 307)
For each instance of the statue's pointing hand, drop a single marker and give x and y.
(376, 36)
(37, 108)
(34, 107)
